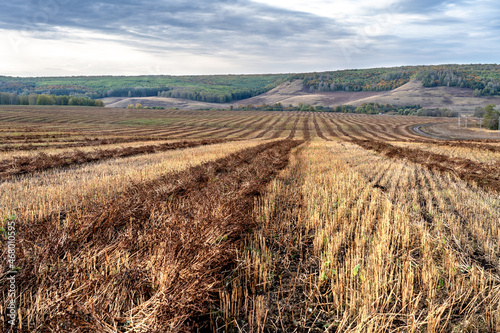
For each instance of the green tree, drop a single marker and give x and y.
(491, 117)
(45, 100)
(278, 107)
(73, 101)
(32, 99)
(99, 103)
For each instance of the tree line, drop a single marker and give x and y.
(365, 108)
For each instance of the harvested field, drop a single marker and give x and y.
(175, 124)
(22, 165)
(344, 247)
(55, 191)
(478, 152)
(146, 268)
(453, 131)
(190, 221)
(86, 142)
(484, 175)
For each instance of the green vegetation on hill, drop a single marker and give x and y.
(357, 80)
(208, 88)
(484, 79)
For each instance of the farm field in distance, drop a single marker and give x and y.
(141, 220)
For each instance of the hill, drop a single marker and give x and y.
(203, 88)
(460, 87)
(295, 93)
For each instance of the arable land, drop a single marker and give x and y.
(141, 220)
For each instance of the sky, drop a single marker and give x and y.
(180, 37)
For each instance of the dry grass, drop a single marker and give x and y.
(398, 236)
(345, 246)
(80, 187)
(481, 153)
(42, 161)
(484, 175)
(148, 260)
(32, 153)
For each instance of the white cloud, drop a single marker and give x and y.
(338, 9)
(86, 53)
(81, 53)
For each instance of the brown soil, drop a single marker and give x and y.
(294, 128)
(318, 129)
(281, 128)
(187, 225)
(28, 164)
(271, 127)
(34, 136)
(305, 124)
(485, 176)
(469, 144)
(488, 145)
(87, 142)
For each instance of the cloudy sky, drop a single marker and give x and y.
(125, 37)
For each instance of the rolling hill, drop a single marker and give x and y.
(295, 93)
(456, 87)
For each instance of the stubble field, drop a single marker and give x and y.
(155, 220)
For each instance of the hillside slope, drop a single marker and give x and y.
(412, 93)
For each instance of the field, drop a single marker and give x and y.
(134, 220)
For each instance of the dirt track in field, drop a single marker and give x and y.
(484, 175)
(41, 162)
(177, 234)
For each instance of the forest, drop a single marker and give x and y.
(483, 79)
(206, 88)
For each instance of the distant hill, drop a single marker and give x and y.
(310, 88)
(294, 93)
(483, 79)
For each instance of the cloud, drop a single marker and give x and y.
(216, 23)
(252, 36)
